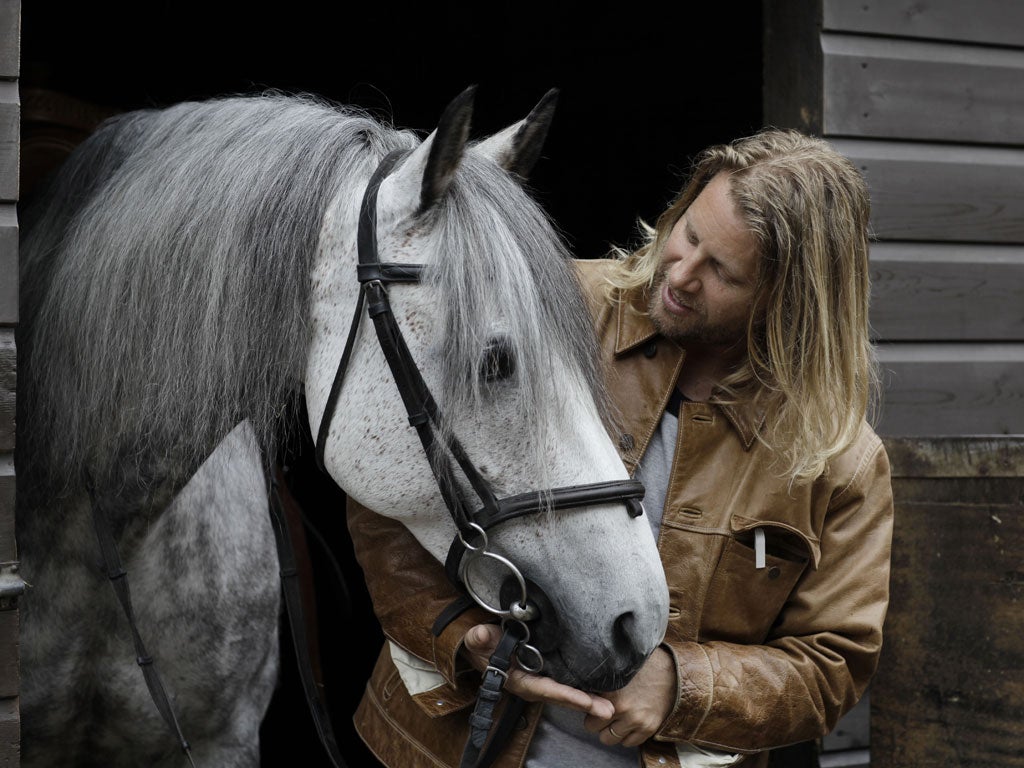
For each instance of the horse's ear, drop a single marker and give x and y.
(517, 148)
(447, 145)
(430, 169)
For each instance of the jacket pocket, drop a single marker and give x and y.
(743, 601)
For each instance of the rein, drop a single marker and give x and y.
(443, 454)
(119, 582)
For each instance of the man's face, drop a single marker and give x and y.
(704, 290)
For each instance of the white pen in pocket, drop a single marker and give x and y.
(759, 547)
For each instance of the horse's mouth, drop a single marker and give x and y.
(551, 640)
(605, 676)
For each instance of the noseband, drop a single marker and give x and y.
(442, 449)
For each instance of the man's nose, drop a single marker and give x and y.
(682, 275)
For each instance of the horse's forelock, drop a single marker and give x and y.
(503, 258)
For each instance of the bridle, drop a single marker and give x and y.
(444, 452)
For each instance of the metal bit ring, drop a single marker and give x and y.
(468, 560)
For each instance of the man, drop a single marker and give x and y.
(736, 342)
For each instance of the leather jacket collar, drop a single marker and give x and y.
(633, 329)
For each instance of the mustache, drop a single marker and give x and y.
(686, 300)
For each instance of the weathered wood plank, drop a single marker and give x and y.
(9, 131)
(792, 55)
(948, 691)
(908, 89)
(10, 733)
(942, 192)
(8, 544)
(10, 56)
(8, 265)
(952, 389)
(8, 384)
(8, 654)
(995, 22)
(10, 38)
(957, 457)
(947, 292)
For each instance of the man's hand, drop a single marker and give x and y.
(640, 707)
(480, 642)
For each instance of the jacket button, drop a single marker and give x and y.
(651, 349)
(773, 572)
(627, 441)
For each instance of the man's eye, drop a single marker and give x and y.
(499, 361)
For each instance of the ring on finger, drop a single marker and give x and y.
(613, 733)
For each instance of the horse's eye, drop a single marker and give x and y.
(499, 361)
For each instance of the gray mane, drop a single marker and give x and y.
(165, 279)
(166, 285)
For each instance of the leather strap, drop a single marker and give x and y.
(293, 601)
(403, 273)
(482, 721)
(387, 272)
(628, 492)
(119, 581)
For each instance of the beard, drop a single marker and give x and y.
(695, 328)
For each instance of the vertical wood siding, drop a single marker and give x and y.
(10, 36)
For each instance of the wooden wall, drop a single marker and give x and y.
(928, 99)
(949, 691)
(10, 33)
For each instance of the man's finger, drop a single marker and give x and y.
(537, 688)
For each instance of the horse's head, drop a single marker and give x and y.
(500, 332)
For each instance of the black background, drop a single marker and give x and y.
(643, 86)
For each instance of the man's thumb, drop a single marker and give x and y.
(479, 637)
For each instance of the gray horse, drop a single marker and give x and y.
(187, 274)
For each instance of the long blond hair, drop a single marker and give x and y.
(810, 366)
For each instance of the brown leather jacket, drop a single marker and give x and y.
(765, 657)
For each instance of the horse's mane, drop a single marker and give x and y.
(166, 280)
(166, 283)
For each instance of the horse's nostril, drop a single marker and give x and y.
(624, 635)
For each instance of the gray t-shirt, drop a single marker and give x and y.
(561, 741)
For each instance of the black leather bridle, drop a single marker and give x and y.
(444, 452)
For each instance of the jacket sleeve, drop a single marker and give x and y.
(820, 654)
(409, 590)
